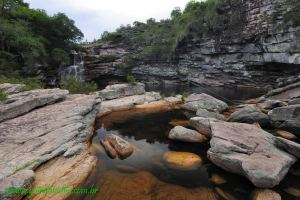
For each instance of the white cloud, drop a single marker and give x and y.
(95, 16)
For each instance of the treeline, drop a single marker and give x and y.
(159, 40)
(32, 42)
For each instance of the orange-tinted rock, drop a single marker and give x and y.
(225, 195)
(179, 122)
(182, 160)
(265, 194)
(217, 180)
(286, 135)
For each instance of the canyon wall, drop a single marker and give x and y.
(259, 45)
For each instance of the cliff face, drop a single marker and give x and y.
(259, 44)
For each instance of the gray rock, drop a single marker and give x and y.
(9, 88)
(20, 103)
(289, 146)
(75, 150)
(202, 125)
(121, 90)
(249, 151)
(271, 104)
(186, 135)
(250, 114)
(294, 101)
(207, 114)
(204, 101)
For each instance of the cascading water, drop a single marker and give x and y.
(77, 69)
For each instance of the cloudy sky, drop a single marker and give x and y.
(95, 16)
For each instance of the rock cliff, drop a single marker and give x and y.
(258, 44)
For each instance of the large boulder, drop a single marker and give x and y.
(250, 114)
(249, 151)
(121, 90)
(207, 114)
(186, 135)
(204, 101)
(9, 88)
(286, 118)
(20, 103)
(182, 160)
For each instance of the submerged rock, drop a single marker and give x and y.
(249, 151)
(207, 114)
(182, 160)
(204, 101)
(217, 180)
(285, 134)
(250, 114)
(121, 146)
(186, 135)
(225, 195)
(265, 194)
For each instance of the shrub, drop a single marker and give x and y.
(75, 86)
(31, 83)
(131, 80)
(3, 96)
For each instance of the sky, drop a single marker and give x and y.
(93, 17)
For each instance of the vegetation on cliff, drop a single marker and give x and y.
(32, 42)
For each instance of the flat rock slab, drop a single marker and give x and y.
(21, 103)
(121, 90)
(204, 101)
(9, 88)
(47, 132)
(249, 151)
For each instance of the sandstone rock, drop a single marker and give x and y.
(250, 114)
(18, 104)
(121, 146)
(286, 118)
(294, 101)
(75, 150)
(182, 160)
(9, 88)
(204, 101)
(289, 146)
(202, 125)
(45, 133)
(121, 90)
(249, 151)
(23, 180)
(207, 114)
(265, 194)
(271, 104)
(186, 135)
(109, 149)
(285, 134)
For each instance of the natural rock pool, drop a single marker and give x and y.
(147, 175)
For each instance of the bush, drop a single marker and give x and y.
(75, 86)
(31, 83)
(3, 96)
(131, 80)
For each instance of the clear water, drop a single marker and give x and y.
(147, 131)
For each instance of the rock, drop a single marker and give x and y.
(175, 122)
(293, 191)
(75, 150)
(121, 90)
(207, 114)
(182, 160)
(286, 118)
(18, 104)
(217, 180)
(250, 114)
(9, 88)
(249, 151)
(174, 100)
(265, 194)
(294, 101)
(23, 180)
(204, 101)
(45, 133)
(109, 149)
(121, 146)
(186, 135)
(225, 195)
(202, 125)
(289, 146)
(271, 104)
(285, 134)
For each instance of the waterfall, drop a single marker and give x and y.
(77, 69)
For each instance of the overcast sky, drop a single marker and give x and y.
(95, 16)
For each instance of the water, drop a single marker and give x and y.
(77, 69)
(145, 175)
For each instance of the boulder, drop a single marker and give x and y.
(271, 104)
(121, 90)
(204, 101)
(286, 118)
(207, 114)
(186, 135)
(265, 194)
(289, 146)
(202, 125)
(9, 88)
(250, 114)
(182, 160)
(21, 103)
(294, 101)
(121, 146)
(249, 151)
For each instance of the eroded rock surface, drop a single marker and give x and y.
(9, 88)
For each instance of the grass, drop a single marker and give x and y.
(75, 86)
(131, 80)
(3, 96)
